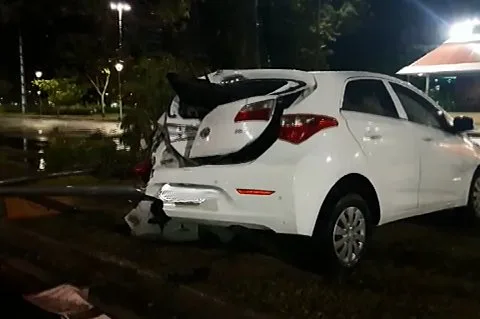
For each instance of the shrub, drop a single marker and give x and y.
(68, 110)
(96, 151)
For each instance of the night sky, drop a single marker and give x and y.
(396, 33)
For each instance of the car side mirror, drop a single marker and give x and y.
(463, 124)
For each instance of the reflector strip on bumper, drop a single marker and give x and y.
(258, 192)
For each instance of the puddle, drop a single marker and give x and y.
(29, 147)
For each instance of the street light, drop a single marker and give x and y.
(464, 31)
(119, 68)
(38, 75)
(120, 7)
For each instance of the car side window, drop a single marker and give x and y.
(369, 96)
(418, 109)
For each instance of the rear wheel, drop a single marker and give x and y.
(342, 233)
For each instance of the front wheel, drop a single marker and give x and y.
(343, 233)
(473, 206)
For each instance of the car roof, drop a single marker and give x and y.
(344, 75)
(334, 77)
(340, 75)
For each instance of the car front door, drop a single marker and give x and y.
(444, 155)
(393, 160)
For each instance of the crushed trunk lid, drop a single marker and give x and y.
(236, 113)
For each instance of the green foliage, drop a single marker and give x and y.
(62, 91)
(308, 27)
(68, 110)
(96, 151)
(290, 33)
(170, 12)
(151, 95)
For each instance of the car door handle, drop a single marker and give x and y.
(427, 139)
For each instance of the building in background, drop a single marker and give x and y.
(451, 72)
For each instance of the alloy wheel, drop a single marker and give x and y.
(349, 234)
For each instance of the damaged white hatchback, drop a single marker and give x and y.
(327, 155)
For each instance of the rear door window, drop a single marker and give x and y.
(369, 96)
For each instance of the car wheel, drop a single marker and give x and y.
(473, 207)
(343, 233)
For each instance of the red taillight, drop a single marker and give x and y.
(257, 111)
(258, 192)
(297, 128)
(143, 169)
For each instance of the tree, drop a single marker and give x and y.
(61, 91)
(92, 42)
(298, 33)
(150, 96)
(101, 85)
(271, 33)
(228, 39)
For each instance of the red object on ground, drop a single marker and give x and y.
(66, 301)
(143, 169)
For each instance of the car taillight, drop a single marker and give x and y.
(143, 170)
(257, 111)
(297, 128)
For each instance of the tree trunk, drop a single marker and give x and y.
(22, 74)
(102, 103)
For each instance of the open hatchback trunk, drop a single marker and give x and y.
(228, 117)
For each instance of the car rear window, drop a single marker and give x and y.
(369, 96)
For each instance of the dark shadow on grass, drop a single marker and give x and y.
(297, 252)
(454, 221)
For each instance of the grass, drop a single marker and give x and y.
(424, 268)
(11, 169)
(421, 268)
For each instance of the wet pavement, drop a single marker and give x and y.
(32, 127)
(26, 139)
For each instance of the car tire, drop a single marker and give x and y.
(473, 206)
(342, 233)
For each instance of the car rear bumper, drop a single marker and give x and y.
(213, 195)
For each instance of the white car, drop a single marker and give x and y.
(328, 155)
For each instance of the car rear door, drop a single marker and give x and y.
(393, 159)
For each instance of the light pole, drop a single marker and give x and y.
(38, 75)
(120, 7)
(119, 68)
